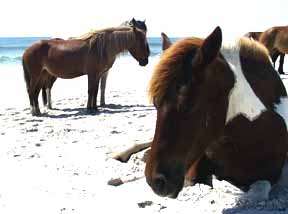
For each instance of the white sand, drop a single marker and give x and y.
(58, 163)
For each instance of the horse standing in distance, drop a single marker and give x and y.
(137, 23)
(216, 106)
(92, 56)
(275, 53)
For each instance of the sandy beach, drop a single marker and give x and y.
(59, 163)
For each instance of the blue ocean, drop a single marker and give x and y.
(12, 48)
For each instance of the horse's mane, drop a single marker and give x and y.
(105, 41)
(95, 32)
(169, 67)
(173, 59)
(249, 48)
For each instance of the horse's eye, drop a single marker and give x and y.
(185, 108)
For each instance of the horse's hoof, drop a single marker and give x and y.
(36, 114)
(92, 111)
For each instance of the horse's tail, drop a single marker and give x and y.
(26, 74)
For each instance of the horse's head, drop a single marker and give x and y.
(140, 48)
(190, 88)
(139, 24)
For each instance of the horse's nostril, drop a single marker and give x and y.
(159, 183)
(143, 62)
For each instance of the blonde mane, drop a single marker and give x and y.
(109, 40)
(254, 49)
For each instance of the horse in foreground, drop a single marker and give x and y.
(92, 56)
(216, 106)
(274, 53)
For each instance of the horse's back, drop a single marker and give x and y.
(275, 37)
(264, 80)
(61, 58)
(253, 35)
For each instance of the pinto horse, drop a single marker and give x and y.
(92, 56)
(216, 106)
(275, 53)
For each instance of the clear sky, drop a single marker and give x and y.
(178, 18)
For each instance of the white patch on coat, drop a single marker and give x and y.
(242, 99)
(282, 109)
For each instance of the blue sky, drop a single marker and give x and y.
(178, 18)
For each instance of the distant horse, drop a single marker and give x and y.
(137, 23)
(92, 55)
(275, 38)
(216, 106)
(50, 80)
(275, 53)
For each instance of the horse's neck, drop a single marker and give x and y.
(125, 41)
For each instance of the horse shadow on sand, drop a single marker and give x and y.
(78, 113)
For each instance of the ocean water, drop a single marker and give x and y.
(12, 48)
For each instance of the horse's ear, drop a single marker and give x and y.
(133, 21)
(211, 47)
(166, 42)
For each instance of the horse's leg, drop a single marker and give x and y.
(46, 90)
(31, 100)
(126, 153)
(274, 55)
(35, 100)
(93, 84)
(34, 90)
(103, 88)
(44, 95)
(31, 88)
(281, 63)
(52, 79)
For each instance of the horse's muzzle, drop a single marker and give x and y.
(143, 62)
(163, 188)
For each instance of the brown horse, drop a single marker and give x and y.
(275, 38)
(275, 53)
(137, 23)
(92, 55)
(216, 106)
(50, 80)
